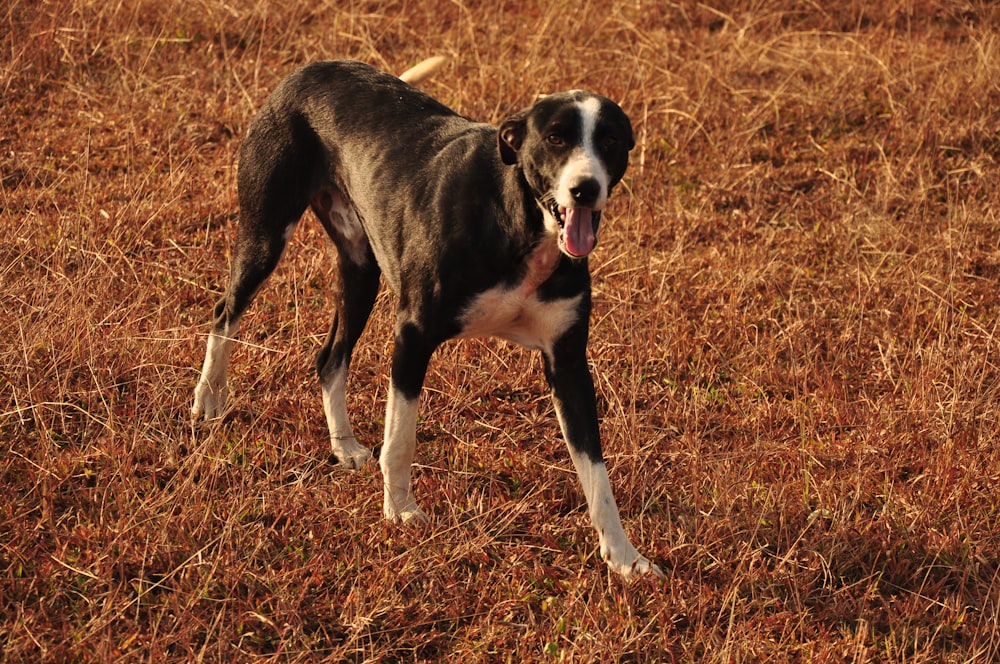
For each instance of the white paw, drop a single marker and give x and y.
(642, 566)
(350, 453)
(209, 402)
(630, 564)
(407, 516)
(414, 516)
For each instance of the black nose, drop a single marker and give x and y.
(586, 192)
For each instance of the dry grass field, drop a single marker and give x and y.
(795, 345)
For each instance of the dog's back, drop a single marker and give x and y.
(389, 150)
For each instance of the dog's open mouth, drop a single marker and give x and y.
(577, 228)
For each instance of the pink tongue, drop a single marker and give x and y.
(579, 231)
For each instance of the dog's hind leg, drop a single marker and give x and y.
(355, 290)
(250, 269)
(253, 262)
(276, 181)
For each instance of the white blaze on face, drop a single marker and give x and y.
(584, 163)
(578, 234)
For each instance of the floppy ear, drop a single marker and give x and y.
(510, 137)
(628, 127)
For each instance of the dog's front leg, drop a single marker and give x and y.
(576, 408)
(409, 365)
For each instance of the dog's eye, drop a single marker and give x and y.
(608, 142)
(554, 139)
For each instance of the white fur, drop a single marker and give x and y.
(505, 313)
(616, 549)
(396, 459)
(516, 313)
(423, 69)
(584, 163)
(212, 391)
(349, 452)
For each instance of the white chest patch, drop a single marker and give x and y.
(515, 313)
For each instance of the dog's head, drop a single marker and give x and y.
(573, 149)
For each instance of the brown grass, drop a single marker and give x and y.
(794, 343)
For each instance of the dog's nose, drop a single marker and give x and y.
(586, 192)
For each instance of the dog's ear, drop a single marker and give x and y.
(510, 137)
(627, 125)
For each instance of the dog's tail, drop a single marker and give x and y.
(423, 69)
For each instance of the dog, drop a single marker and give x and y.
(478, 230)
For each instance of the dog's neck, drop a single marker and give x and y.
(541, 263)
(538, 237)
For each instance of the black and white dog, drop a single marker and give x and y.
(479, 231)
